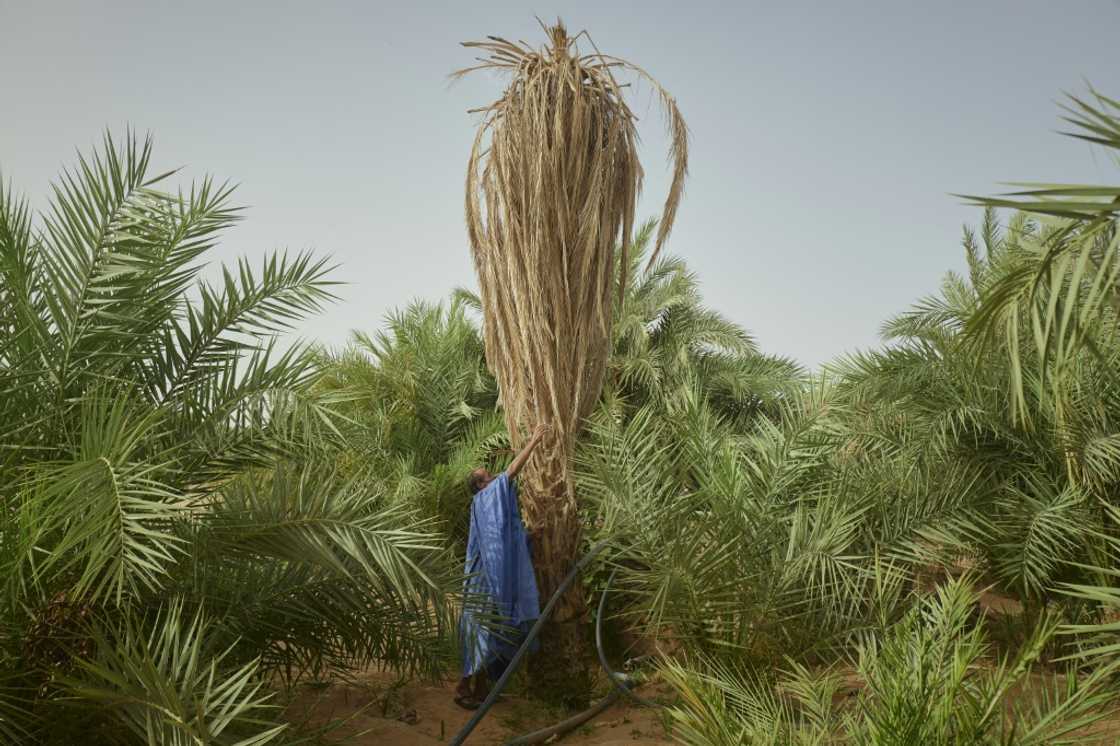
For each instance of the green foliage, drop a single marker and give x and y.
(420, 408)
(162, 681)
(1100, 639)
(803, 534)
(195, 512)
(175, 532)
(667, 346)
(927, 679)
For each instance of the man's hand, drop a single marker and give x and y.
(519, 462)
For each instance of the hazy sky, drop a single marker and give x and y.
(826, 137)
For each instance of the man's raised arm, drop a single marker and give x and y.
(527, 451)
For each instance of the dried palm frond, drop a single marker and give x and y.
(551, 189)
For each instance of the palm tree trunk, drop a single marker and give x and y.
(560, 671)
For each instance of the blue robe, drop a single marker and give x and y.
(500, 581)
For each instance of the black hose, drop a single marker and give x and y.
(620, 681)
(492, 697)
(617, 679)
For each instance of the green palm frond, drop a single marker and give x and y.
(923, 680)
(164, 681)
(123, 545)
(1042, 527)
(230, 319)
(1063, 298)
(382, 572)
(1100, 640)
(159, 453)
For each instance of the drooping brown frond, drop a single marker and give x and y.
(552, 185)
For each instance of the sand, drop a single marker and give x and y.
(378, 711)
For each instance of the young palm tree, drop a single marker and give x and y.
(766, 530)
(668, 344)
(1065, 297)
(551, 189)
(1056, 319)
(421, 408)
(947, 397)
(924, 680)
(174, 531)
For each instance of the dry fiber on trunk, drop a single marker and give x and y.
(551, 190)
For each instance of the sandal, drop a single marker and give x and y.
(467, 702)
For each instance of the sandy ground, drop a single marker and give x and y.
(377, 712)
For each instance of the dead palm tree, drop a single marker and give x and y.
(551, 189)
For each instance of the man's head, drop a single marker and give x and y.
(478, 479)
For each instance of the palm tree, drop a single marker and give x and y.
(421, 411)
(1056, 319)
(175, 531)
(421, 408)
(924, 680)
(667, 344)
(552, 185)
(762, 536)
(950, 412)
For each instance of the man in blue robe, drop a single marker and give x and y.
(500, 592)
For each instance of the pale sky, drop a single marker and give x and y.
(826, 137)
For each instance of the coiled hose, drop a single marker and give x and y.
(620, 681)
